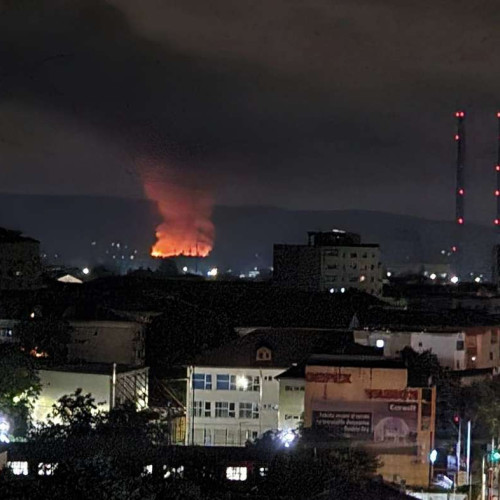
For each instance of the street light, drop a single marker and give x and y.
(4, 428)
(242, 383)
(432, 459)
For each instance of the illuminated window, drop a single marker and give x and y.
(46, 469)
(18, 468)
(236, 473)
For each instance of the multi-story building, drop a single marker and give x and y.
(331, 261)
(366, 400)
(232, 393)
(19, 260)
(461, 340)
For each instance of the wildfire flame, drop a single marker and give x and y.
(187, 228)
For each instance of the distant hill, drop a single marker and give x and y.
(80, 229)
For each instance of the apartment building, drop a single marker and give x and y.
(331, 261)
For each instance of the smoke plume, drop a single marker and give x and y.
(186, 209)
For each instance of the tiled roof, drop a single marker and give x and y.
(287, 345)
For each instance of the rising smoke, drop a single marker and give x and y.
(186, 209)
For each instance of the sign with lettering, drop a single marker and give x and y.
(388, 424)
(325, 378)
(401, 394)
(344, 423)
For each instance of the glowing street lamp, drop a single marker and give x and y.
(287, 437)
(242, 383)
(4, 428)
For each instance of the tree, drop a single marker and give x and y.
(424, 370)
(97, 456)
(19, 387)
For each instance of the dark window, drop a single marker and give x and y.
(202, 381)
(224, 409)
(460, 345)
(226, 382)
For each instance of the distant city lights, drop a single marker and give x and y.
(213, 272)
(185, 269)
(380, 343)
(433, 276)
(454, 279)
(86, 271)
(389, 274)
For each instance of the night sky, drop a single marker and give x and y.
(320, 104)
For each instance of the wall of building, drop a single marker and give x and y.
(448, 347)
(107, 342)
(56, 384)
(130, 386)
(464, 349)
(393, 342)
(291, 402)
(374, 407)
(8, 332)
(210, 429)
(356, 267)
(329, 268)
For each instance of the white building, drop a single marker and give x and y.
(231, 405)
(232, 392)
(108, 390)
(291, 399)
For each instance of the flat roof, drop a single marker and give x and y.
(93, 368)
(355, 361)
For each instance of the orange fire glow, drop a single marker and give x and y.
(187, 228)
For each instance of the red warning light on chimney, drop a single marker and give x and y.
(461, 191)
(497, 192)
(457, 137)
(496, 222)
(460, 220)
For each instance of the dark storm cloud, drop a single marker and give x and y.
(323, 104)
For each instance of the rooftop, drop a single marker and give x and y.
(342, 360)
(12, 236)
(92, 368)
(418, 320)
(287, 345)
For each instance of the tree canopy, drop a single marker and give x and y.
(19, 387)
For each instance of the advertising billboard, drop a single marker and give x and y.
(385, 423)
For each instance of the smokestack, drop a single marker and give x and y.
(460, 192)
